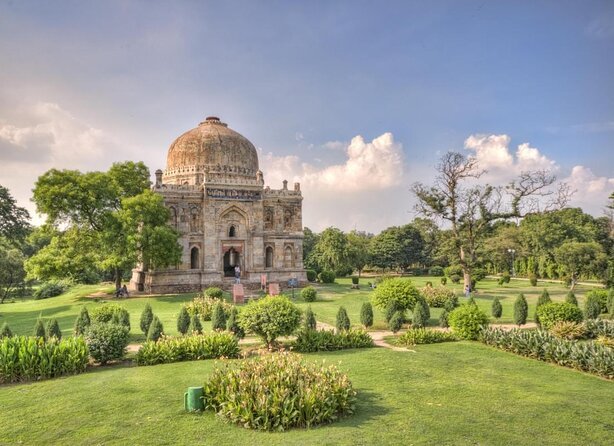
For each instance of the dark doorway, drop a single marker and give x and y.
(269, 257)
(232, 232)
(231, 259)
(194, 263)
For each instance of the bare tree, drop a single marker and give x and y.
(470, 209)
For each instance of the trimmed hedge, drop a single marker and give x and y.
(586, 356)
(327, 277)
(24, 358)
(111, 313)
(308, 341)
(51, 289)
(309, 294)
(312, 275)
(600, 296)
(203, 306)
(424, 336)
(553, 312)
(107, 341)
(398, 293)
(214, 293)
(467, 321)
(220, 344)
(437, 296)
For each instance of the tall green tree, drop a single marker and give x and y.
(581, 259)
(358, 250)
(12, 273)
(14, 220)
(331, 250)
(123, 222)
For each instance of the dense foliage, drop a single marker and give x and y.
(468, 321)
(279, 391)
(25, 358)
(366, 314)
(107, 341)
(183, 321)
(416, 336)
(309, 294)
(592, 306)
(82, 322)
(437, 296)
(214, 293)
(232, 324)
(270, 317)
(421, 314)
(203, 306)
(587, 356)
(51, 289)
(308, 340)
(327, 276)
(553, 312)
(188, 348)
(146, 318)
(156, 329)
(496, 308)
(111, 313)
(398, 293)
(567, 330)
(309, 319)
(218, 318)
(342, 321)
(521, 310)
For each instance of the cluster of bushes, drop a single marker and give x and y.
(214, 293)
(552, 313)
(437, 296)
(111, 313)
(597, 302)
(309, 294)
(309, 340)
(327, 277)
(192, 347)
(587, 356)
(279, 391)
(436, 271)
(42, 330)
(51, 289)
(203, 306)
(107, 341)
(416, 336)
(25, 358)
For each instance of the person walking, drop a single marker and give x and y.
(237, 274)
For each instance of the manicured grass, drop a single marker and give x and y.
(331, 296)
(22, 315)
(456, 393)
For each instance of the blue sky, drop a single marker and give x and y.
(84, 84)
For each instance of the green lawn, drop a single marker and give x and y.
(331, 296)
(455, 393)
(22, 315)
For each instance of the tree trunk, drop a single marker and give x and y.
(118, 278)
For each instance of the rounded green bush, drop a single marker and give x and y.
(533, 279)
(600, 296)
(436, 271)
(319, 393)
(270, 317)
(396, 321)
(312, 276)
(111, 313)
(467, 321)
(327, 277)
(214, 293)
(553, 312)
(436, 297)
(106, 341)
(309, 294)
(455, 278)
(400, 293)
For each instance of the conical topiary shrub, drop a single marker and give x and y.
(443, 319)
(592, 307)
(421, 314)
(82, 322)
(218, 317)
(39, 329)
(396, 321)
(497, 309)
(53, 329)
(146, 318)
(343, 320)
(310, 319)
(233, 324)
(521, 310)
(366, 314)
(544, 298)
(156, 329)
(183, 321)
(571, 298)
(195, 325)
(5, 331)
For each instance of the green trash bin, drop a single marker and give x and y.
(193, 399)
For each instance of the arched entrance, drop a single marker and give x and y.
(232, 258)
(194, 258)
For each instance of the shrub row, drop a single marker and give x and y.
(188, 348)
(416, 336)
(587, 356)
(24, 358)
(279, 391)
(324, 340)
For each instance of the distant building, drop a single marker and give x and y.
(215, 192)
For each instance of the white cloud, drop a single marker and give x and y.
(368, 190)
(36, 138)
(591, 191)
(494, 155)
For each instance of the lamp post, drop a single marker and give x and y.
(512, 252)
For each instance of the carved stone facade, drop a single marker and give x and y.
(215, 192)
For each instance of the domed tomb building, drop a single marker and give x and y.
(215, 192)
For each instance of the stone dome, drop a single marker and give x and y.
(210, 147)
